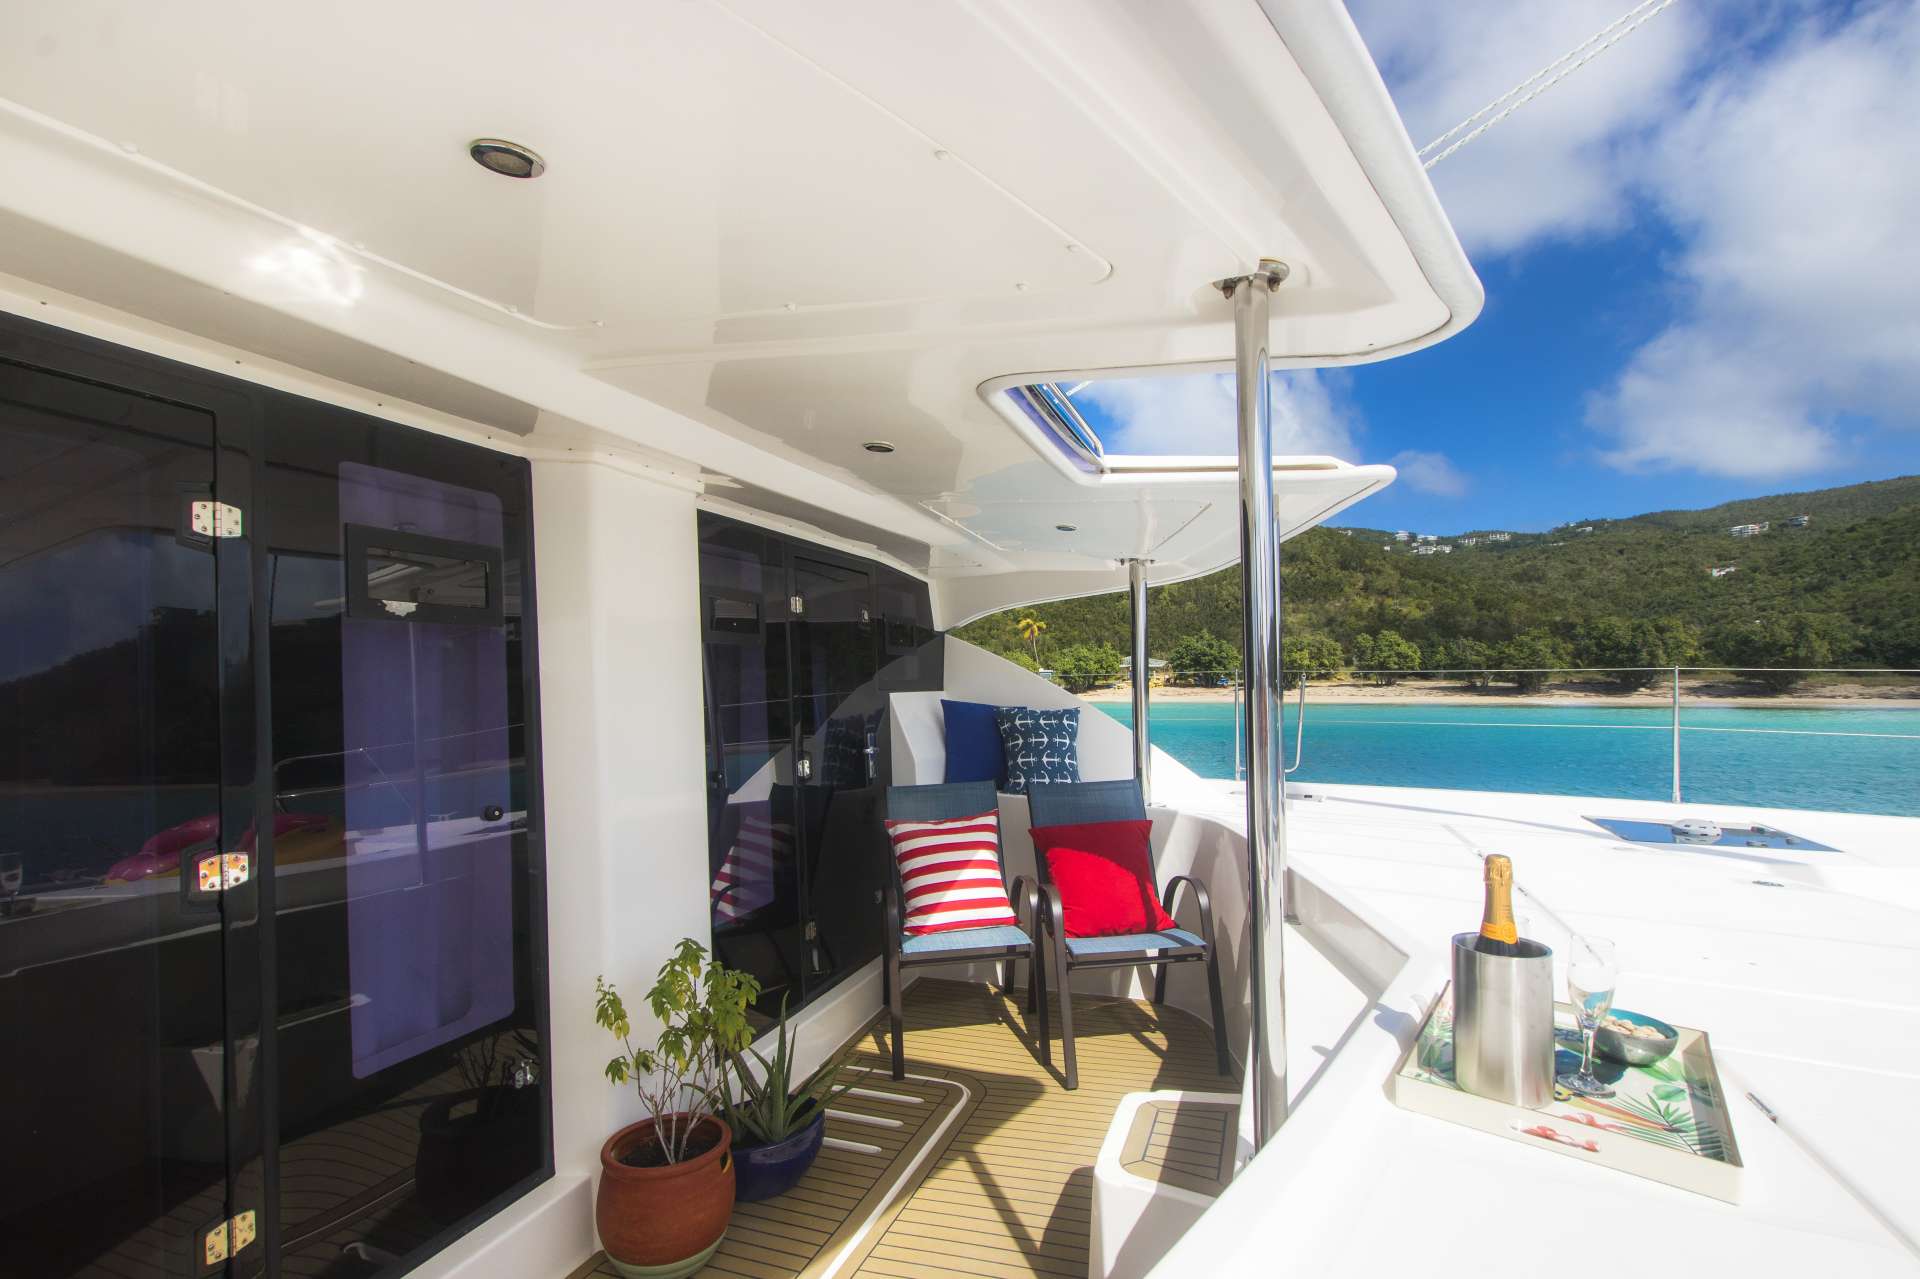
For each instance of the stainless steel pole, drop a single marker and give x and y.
(1260, 604)
(1239, 764)
(1142, 676)
(1676, 734)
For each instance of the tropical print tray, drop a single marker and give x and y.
(1667, 1121)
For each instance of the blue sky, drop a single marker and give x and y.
(1700, 256)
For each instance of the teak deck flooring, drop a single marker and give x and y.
(1005, 1188)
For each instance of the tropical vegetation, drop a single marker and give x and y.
(1843, 590)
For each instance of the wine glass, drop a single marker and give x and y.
(1592, 970)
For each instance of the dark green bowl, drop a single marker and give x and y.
(1635, 1050)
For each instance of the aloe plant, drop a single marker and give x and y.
(769, 1108)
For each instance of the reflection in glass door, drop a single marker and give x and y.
(841, 714)
(753, 856)
(795, 638)
(114, 1074)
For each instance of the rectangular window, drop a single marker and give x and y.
(733, 616)
(403, 576)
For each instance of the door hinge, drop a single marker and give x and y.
(226, 1239)
(216, 519)
(796, 605)
(217, 872)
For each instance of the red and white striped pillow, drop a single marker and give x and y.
(950, 873)
(747, 875)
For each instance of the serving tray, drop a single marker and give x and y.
(1667, 1122)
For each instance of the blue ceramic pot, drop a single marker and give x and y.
(761, 1172)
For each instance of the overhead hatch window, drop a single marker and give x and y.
(1171, 421)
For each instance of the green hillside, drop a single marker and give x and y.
(1842, 591)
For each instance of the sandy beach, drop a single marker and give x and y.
(1694, 693)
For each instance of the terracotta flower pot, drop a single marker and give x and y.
(664, 1222)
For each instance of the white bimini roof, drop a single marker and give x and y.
(767, 234)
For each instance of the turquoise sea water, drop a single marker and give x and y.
(1862, 761)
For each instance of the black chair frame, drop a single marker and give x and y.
(1072, 803)
(958, 799)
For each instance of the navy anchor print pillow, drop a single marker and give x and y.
(1041, 746)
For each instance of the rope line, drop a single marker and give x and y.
(1536, 76)
(1543, 79)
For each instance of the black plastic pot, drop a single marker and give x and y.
(761, 1172)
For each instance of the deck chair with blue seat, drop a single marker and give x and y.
(1079, 803)
(1005, 943)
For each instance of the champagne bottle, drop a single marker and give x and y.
(1498, 936)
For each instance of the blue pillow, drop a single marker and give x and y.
(974, 753)
(1041, 746)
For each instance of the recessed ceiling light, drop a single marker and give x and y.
(1068, 528)
(509, 159)
(877, 446)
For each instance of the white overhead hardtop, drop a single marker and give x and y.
(798, 228)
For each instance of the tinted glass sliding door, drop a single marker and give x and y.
(305, 1042)
(753, 843)
(408, 1080)
(802, 646)
(840, 714)
(114, 1075)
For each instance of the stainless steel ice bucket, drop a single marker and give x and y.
(1503, 1022)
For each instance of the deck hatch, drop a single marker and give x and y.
(1708, 834)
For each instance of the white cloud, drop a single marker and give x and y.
(1193, 413)
(1779, 144)
(1792, 181)
(1429, 473)
(1559, 166)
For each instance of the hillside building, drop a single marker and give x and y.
(1723, 570)
(1748, 530)
(1799, 521)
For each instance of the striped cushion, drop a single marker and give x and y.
(747, 876)
(950, 873)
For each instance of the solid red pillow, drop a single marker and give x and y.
(1103, 872)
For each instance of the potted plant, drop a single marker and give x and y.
(778, 1128)
(666, 1185)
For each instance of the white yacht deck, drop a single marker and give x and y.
(1802, 965)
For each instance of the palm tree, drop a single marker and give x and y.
(1030, 629)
